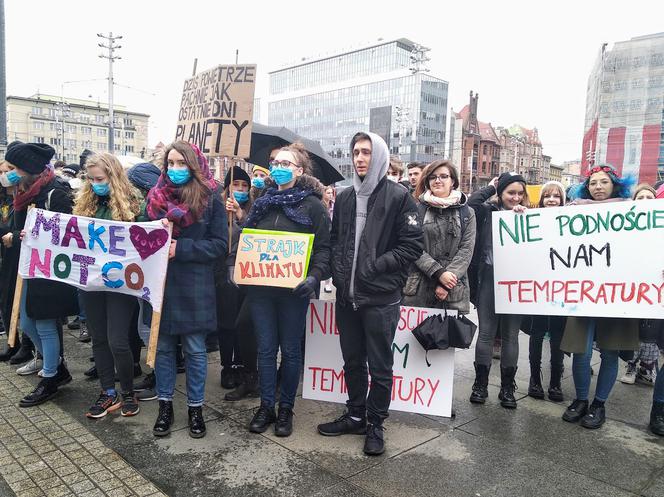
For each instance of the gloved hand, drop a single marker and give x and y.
(306, 288)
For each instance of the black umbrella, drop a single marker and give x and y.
(264, 139)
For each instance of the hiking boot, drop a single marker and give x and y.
(507, 388)
(263, 418)
(62, 376)
(147, 383)
(25, 351)
(162, 426)
(374, 444)
(594, 418)
(284, 424)
(555, 390)
(629, 378)
(646, 376)
(46, 389)
(575, 411)
(535, 389)
(196, 422)
(129, 404)
(248, 388)
(657, 418)
(343, 425)
(74, 324)
(480, 386)
(104, 404)
(229, 378)
(32, 367)
(84, 335)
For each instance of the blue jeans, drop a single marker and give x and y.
(195, 356)
(44, 334)
(608, 369)
(658, 394)
(279, 318)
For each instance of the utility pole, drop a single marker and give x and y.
(111, 47)
(3, 88)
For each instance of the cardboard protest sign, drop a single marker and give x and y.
(416, 387)
(216, 110)
(272, 258)
(603, 260)
(95, 254)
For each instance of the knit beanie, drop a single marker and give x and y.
(71, 169)
(261, 168)
(505, 179)
(30, 157)
(559, 185)
(238, 174)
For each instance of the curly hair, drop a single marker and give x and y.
(124, 199)
(301, 155)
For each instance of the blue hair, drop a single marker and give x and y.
(622, 186)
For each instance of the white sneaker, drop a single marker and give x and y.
(629, 378)
(646, 376)
(41, 373)
(32, 367)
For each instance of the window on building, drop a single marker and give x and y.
(100, 119)
(70, 143)
(38, 139)
(101, 145)
(71, 128)
(54, 126)
(101, 131)
(128, 122)
(86, 130)
(55, 141)
(37, 125)
(129, 134)
(36, 111)
(118, 133)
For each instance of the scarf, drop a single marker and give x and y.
(165, 198)
(23, 199)
(288, 200)
(441, 202)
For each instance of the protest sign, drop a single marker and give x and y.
(96, 254)
(416, 387)
(272, 258)
(216, 110)
(603, 260)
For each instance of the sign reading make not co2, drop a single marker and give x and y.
(602, 260)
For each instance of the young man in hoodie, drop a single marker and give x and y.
(375, 237)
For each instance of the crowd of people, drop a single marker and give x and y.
(381, 242)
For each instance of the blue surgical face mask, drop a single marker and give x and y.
(281, 175)
(13, 177)
(101, 189)
(179, 176)
(258, 182)
(241, 197)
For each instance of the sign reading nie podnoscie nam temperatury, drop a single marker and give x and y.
(603, 260)
(272, 258)
(96, 254)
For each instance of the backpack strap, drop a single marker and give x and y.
(464, 217)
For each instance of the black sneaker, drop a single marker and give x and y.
(104, 404)
(92, 373)
(284, 425)
(84, 335)
(46, 389)
(575, 411)
(129, 404)
(147, 383)
(263, 418)
(594, 418)
(374, 444)
(343, 425)
(74, 324)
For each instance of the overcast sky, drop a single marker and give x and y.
(529, 61)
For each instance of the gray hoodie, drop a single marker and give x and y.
(364, 187)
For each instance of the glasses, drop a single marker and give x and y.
(440, 177)
(283, 163)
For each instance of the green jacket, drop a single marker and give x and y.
(610, 334)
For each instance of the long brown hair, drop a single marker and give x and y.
(195, 193)
(423, 182)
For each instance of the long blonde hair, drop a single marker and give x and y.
(124, 198)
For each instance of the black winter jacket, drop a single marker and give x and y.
(484, 210)
(392, 239)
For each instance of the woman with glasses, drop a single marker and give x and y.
(438, 278)
(291, 202)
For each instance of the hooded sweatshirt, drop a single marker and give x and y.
(364, 187)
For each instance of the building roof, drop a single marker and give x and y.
(487, 133)
(75, 102)
(530, 135)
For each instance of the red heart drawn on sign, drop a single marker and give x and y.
(147, 243)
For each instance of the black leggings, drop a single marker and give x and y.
(555, 325)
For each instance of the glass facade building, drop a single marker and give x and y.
(331, 99)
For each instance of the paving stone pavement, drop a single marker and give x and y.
(53, 450)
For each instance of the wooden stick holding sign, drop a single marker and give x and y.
(156, 318)
(16, 305)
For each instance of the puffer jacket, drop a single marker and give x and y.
(392, 239)
(446, 248)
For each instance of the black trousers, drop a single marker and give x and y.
(109, 319)
(366, 336)
(555, 325)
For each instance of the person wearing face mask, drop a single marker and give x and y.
(552, 195)
(187, 196)
(395, 171)
(109, 195)
(507, 192)
(603, 184)
(43, 302)
(293, 205)
(258, 176)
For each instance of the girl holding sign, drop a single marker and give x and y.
(507, 192)
(109, 195)
(187, 196)
(279, 313)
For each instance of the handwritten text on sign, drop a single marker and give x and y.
(95, 254)
(216, 110)
(272, 258)
(416, 387)
(589, 260)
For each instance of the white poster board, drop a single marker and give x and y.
(603, 260)
(416, 388)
